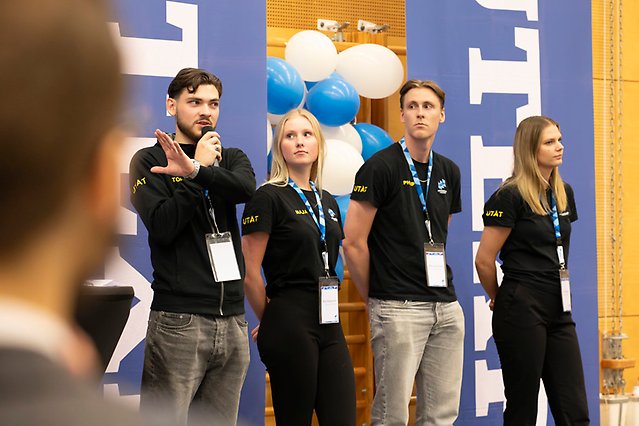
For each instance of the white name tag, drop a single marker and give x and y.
(328, 300)
(435, 259)
(566, 301)
(222, 257)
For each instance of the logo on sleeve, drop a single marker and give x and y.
(332, 214)
(494, 213)
(250, 219)
(138, 183)
(441, 187)
(360, 188)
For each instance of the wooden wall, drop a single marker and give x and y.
(628, 189)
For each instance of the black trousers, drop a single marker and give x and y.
(536, 340)
(308, 363)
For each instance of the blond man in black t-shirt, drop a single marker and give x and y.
(397, 225)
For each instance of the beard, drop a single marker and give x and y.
(187, 130)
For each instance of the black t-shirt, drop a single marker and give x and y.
(293, 255)
(529, 254)
(398, 233)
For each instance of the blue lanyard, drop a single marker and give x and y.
(321, 223)
(555, 222)
(418, 184)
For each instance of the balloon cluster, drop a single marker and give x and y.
(329, 85)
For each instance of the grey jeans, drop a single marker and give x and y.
(422, 343)
(194, 367)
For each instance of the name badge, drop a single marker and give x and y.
(435, 259)
(566, 302)
(328, 300)
(222, 257)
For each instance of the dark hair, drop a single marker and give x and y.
(62, 87)
(190, 79)
(416, 84)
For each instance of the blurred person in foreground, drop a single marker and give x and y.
(61, 79)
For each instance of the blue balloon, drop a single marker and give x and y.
(310, 84)
(333, 101)
(339, 267)
(342, 203)
(373, 139)
(285, 87)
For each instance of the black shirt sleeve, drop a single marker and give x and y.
(572, 206)
(259, 213)
(329, 199)
(164, 213)
(456, 205)
(372, 182)
(234, 181)
(502, 207)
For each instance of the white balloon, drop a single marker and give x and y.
(333, 132)
(352, 137)
(345, 133)
(269, 136)
(375, 71)
(312, 54)
(341, 163)
(274, 119)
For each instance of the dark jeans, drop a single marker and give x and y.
(194, 367)
(537, 340)
(308, 363)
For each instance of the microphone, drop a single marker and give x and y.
(205, 130)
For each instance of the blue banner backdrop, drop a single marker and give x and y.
(158, 38)
(500, 61)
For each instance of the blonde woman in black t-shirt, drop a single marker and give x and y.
(292, 230)
(528, 222)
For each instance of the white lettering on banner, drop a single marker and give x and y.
(486, 162)
(542, 406)
(500, 273)
(509, 77)
(120, 271)
(163, 58)
(489, 387)
(128, 221)
(528, 6)
(496, 162)
(482, 318)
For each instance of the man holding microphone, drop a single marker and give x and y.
(185, 189)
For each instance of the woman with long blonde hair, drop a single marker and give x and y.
(527, 221)
(292, 230)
